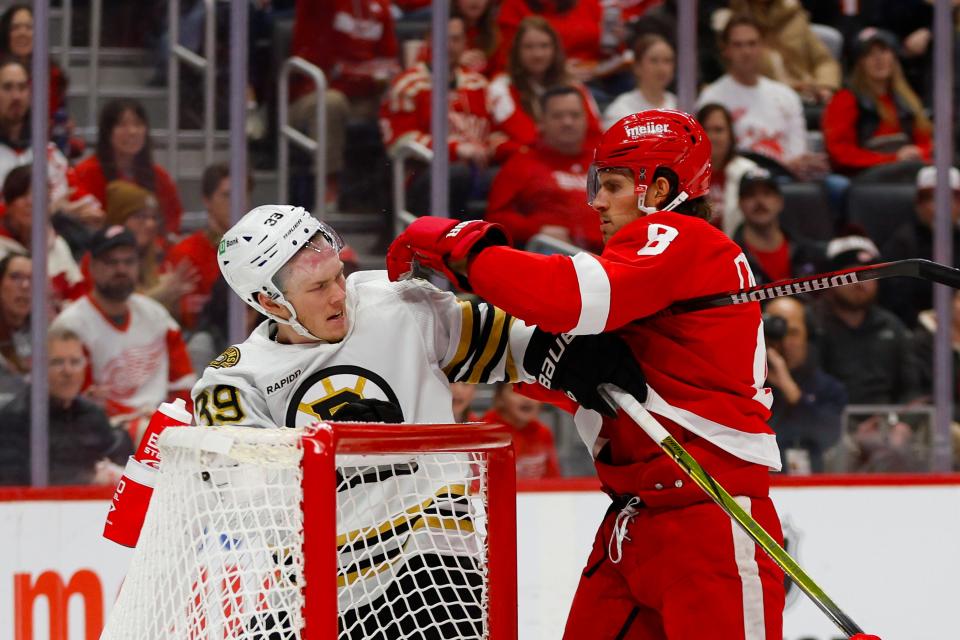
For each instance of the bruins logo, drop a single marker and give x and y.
(227, 359)
(320, 395)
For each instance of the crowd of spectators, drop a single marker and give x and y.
(796, 96)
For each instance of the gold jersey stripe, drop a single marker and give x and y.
(452, 491)
(489, 349)
(466, 330)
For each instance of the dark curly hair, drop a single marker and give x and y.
(143, 162)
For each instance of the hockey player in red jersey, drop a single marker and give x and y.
(666, 562)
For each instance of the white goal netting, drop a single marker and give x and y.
(221, 551)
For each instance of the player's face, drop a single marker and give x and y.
(65, 370)
(316, 288)
(129, 134)
(616, 202)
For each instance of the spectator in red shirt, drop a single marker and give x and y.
(199, 250)
(540, 189)
(878, 118)
(483, 37)
(536, 62)
(354, 44)
(577, 22)
(405, 118)
(124, 152)
(533, 444)
(773, 254)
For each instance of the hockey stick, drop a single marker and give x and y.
(911, 268)
(633, 408)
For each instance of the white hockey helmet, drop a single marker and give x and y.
(256, 248)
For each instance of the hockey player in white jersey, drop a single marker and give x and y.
(374, 350)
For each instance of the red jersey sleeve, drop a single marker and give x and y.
(647, 265)
(405, 114)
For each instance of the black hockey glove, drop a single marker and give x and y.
(578, 365)
(369, 410)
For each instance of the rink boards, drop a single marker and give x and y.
(884, 548)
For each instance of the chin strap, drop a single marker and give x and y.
(676, 202)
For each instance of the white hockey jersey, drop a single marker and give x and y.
(405, 343)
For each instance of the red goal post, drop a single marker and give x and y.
(253, 530)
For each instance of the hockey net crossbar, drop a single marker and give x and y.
(342, 531)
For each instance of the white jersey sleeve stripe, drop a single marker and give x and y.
(594, 294)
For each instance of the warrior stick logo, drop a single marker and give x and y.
(795, 288)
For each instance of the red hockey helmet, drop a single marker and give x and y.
(646, 141)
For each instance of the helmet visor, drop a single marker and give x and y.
(325, 242)
(593, 183)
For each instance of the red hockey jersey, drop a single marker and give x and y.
(520, 127)
(541, 186)
(705, 370)
(405, 112)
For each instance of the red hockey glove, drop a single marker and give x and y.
(434, 242)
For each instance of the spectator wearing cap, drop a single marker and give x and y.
(540, 190)
(16, 230)
(772, 252)
(132, 206)
(914, 239)
(807, 402)
(877, 119)
(84, 448)
(862, 344)
(137, 356)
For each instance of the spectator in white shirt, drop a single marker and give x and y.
(654, 65)
(767, 115)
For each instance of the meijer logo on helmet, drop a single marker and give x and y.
(636, 132)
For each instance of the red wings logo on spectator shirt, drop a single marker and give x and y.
(125, 374)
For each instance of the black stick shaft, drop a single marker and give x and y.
(912, 268)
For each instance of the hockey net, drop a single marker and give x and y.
(343, 531)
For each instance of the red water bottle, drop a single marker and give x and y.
(132, 496)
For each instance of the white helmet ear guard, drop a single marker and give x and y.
(253, 251)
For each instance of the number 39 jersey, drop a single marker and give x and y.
(405, 343)
(705, 370)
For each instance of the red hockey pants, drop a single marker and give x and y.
(686, 573)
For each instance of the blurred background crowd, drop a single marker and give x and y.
(819, 112)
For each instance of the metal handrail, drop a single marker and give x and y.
(289, 134)
(208, 65)
(66, 19)
(399, 154)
